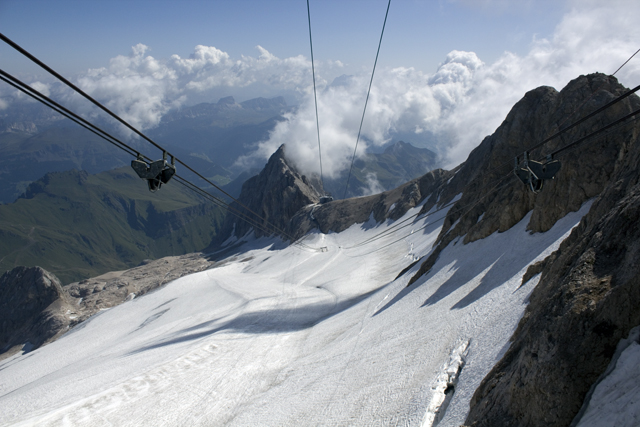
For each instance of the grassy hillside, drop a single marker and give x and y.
(78, 225)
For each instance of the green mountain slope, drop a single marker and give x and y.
(78, 225)
(26, 157)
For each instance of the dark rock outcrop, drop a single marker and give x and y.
(33, 308)
(339, 215)
(269, 200)
(492, 197)
(587, 300)
(589, 292)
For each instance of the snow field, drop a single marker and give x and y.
(287, 336)
(616, 397)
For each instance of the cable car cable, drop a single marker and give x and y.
(33, 93)
(610, 125)
(366, 101)
(473, 205)
(426, 215)
(119, 119)
(126, 124)
(315, 97)
(567, 147)
(38, 96)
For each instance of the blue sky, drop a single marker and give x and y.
(73, 35)
(448, 74)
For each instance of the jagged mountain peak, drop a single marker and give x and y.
(493, 199)
(275, 194)
(249, 315)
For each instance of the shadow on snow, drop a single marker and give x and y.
(262, 322)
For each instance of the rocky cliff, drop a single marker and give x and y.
(269, 200)
(493, 199)
(33, 308)
(587, 300)
(589, 291)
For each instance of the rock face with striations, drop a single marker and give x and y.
(271, 198)
(493, 199)
(32, 303)
(588, 295)
(587, 300)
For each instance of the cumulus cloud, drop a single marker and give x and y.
(453, 108)
(464, 100)
(43, 88)
(141, 88)
(403, 101)
(592, 37)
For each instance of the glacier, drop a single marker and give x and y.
(281, 334)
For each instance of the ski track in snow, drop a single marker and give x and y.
(292, 337)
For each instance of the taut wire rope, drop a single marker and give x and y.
(346, 188)
(315, 96)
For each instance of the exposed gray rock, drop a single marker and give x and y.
(33, 308)
(587, 300)
(269, 199)
(116, 287)
(493, 199)
(339, 215)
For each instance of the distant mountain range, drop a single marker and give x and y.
(71, 203)
(79, 225)
(209, 137)
(377, 172)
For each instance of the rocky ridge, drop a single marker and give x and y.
(269, 199)
(339, 215)
(36, 309)
(493, 199)
(586, 301)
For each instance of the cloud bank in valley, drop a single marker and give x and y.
(141, 88)
(465, 99)
(453, 108)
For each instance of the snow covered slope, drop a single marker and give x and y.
(288, 336)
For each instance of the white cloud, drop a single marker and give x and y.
(373, 186)
(141, 88)
(590, 38)
(456, 107)
(465, 100)
(43, 88)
